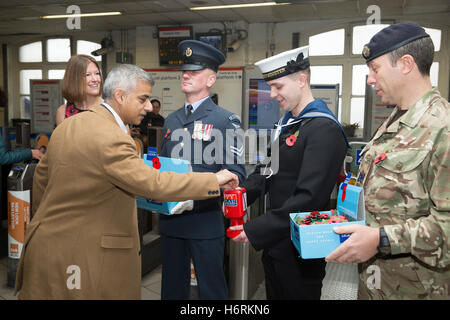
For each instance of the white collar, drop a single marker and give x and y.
(116, 116)
(279, 126)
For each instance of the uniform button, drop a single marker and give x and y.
(399, 165)
(182, 144)
(185, 129)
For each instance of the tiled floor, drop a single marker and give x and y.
(150, 286)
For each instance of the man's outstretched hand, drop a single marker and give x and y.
(227, 180)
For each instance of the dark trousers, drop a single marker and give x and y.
(207, 256)
(289, 277)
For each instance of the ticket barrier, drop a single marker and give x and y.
(19, 182)
(353, 158)
(245, 270)
(149, 237)
(155, 137)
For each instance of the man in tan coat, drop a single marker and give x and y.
(82, 241)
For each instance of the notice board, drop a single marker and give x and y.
(329, 93)
(46, 97)
(167, 89)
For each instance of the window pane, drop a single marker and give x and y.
(58, 50)
(25, 107)
(86, 47)
(25, 77)
(435, 35)
(363, 34)
(434, 74)
(327, 75)
(357, 111)
(327, 43)
(31, 52)
(359, 79)
(56, 73)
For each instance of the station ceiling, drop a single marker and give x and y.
(23, 17)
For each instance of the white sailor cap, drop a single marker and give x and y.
(284, 63)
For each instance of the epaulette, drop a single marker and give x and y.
(235, 120)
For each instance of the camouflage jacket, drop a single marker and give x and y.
(405, 173)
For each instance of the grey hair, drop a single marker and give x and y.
(125, 77)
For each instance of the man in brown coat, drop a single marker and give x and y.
(82, 241)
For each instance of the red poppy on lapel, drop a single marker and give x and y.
(380, 158)
(291, 140)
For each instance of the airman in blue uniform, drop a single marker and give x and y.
(204, 134)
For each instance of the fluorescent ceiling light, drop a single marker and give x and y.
(59, 16)
(232, 6)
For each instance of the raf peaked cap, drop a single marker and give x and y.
(198, 55)
(284, 63)
(392, 38)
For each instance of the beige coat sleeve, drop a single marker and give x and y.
(129, 172)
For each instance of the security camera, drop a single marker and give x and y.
(234, 46)
(107, 46)
(101, 51)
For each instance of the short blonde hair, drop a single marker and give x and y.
(73, 83)
(306, 72)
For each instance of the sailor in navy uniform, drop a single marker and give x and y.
(312, 147)
(197, 132)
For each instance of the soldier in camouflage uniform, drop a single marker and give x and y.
(405, 174)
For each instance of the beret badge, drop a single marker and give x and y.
(188, 52)
(366, 51)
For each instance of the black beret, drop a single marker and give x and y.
(392, 38)
(198, 55)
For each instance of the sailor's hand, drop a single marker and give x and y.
(241, 237)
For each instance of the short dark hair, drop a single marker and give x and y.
(155, 100)
(422, 50)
